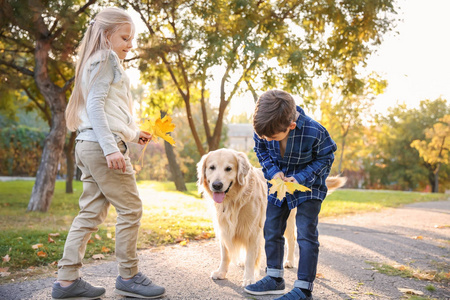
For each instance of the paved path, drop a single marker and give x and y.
(347, 244)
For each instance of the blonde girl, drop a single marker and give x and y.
(100, 109)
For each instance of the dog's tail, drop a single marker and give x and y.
(335, 182)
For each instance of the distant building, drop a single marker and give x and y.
(240, 137)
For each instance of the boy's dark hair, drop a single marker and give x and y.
(274, 112)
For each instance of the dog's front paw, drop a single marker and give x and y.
(248, 281)
(218, 274)
(288, 264)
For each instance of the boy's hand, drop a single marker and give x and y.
(279, 175)
(290, 179)
(116, 161)
(144, 137)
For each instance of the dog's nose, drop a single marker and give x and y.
(217, 185)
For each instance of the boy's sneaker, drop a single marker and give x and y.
(79, 289)
(295, 294)
(266, 286)
(140, 286)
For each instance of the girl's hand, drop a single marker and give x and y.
(116, 161)
(144, 137)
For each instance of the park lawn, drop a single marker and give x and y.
(169, 217)
(346, 201)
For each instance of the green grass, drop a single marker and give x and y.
(344, 201)
(430, 288)
(169, 217)
(438, 275)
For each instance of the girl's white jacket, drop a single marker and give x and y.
(107, 117)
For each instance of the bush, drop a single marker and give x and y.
(20, 150)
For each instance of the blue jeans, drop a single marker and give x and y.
(307, 238)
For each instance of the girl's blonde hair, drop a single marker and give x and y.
(96, 38)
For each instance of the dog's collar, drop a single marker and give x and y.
(229, 187)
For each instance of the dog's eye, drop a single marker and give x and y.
(212, 168)
(228, 169)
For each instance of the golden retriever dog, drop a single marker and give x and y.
(239, 191)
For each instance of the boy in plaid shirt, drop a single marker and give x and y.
(291, 146)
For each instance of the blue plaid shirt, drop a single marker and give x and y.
(308, 158)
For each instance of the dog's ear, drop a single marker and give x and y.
(243, 167)
(201, 166)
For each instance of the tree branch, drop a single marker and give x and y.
(36, 102)
(70, 21)
(68, 84)
(17, 68)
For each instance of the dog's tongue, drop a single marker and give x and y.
(218, 197)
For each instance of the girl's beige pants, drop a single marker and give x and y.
(102, 187)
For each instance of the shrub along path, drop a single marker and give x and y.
(376, 255)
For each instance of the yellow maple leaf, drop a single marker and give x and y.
(160, 128)
(278, 187)
(292, 187)
(282, 187)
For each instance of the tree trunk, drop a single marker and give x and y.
(55, 97)
(44, 186)
(177, 175)
(436, 179)
(341, 159)
(70, 161)
(431, 179)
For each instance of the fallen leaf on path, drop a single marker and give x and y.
(179, 239)
(50, 240)
(55, 263)
(184, 243)
(399, 267)
(419, 237)
(6, 258)
(97, 237)
(319, 275)
(105, 249)
(98, 256)
(37, 246)
(4, 274)
(427, 275)
(54, 234)
(441, 226)
(410, 291)
(4, 269)
(203, 236)
(90, 242)
(41, 254)
(109, 235)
